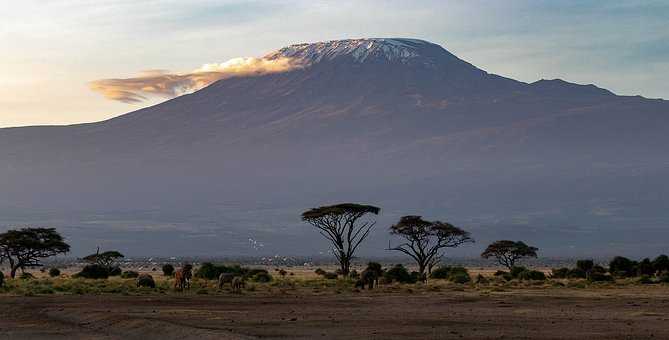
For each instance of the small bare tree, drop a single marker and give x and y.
(339, 224)
(508, 252)
(424, 240)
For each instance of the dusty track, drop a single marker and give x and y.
(623, 313)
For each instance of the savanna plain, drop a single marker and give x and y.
(297, 303)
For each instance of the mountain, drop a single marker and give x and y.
(400, 123)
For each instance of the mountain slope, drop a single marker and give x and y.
(401, 123)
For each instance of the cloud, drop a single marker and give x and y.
(165, 84)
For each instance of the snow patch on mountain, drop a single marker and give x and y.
(360, 50)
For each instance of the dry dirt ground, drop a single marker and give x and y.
(639, 312)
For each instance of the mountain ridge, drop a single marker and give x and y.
(443, 139)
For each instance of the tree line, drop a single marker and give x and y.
(423, 241)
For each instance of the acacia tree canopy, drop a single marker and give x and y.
(424, 240)
(339, 224)
(26, 247)
(106, 259)
(508, 252)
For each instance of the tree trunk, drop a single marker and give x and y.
(13, 272)
(421, 272)
(345, 266)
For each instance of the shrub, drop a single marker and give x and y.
(500, 273)
(645, 279)
(577, 273)
(645, 267)
(661, 264)
(663, 277)
(515, 271)
(93, 271)
(145, 280)
(534, 275)
(2, 279)
(249, 273)
(211, 271)
(440, 273)
(129, 274)
(168, 270)
(415, 277)
(26, 276)
(622, 266)
(398, 274)
(599, 269)
(319, 271)
(54, 272)
(261, 276)
(115, 271)
(354, 274)
(207, 271)
(459, 277)
(585, 265)
(560, 273)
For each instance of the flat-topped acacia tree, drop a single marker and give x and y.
(424, 240)
(107, 259)
(26, 247)
(508, 252)
(339, 224)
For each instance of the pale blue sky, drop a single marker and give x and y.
(51, 50)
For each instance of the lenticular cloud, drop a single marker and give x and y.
(165, 84)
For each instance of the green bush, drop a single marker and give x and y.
(168, 270)
(440, 273)
(455, 273)
(207, 271)
(129, 274)
(645, 279)
(212, 271)
(534, 275)
(560, 273)
(249, 273)
(585, 265)
(663, 277)
(661, 264)
(622, 266)
(93, 271)
(145, 280)
(398, 274)
(54, 272)
(515, 271)
(577, 273)
(645, 267)
(459, 277)
(599, 269)
(261, 276)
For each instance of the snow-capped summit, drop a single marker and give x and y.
(360, 50)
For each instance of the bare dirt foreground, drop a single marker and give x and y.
(602, 313)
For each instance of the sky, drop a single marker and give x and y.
(54, 53)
